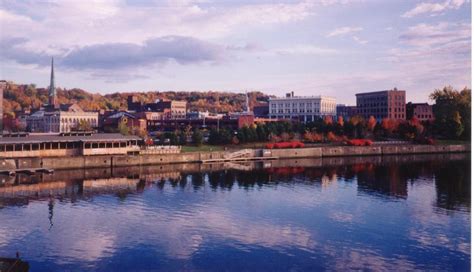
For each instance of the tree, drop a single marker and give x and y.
(371, 123)
(452, 111)
(83, 125)
(214, 137)
(197, 137)
(389, 126)
(123, 128)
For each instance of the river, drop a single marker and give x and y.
(369, 213)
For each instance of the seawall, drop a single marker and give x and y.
(115, 161)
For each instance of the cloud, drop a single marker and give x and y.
(341, 31)
(359, 40)
(183, 50)
(436, 34)
(118, 56)
(302, 49)
(433, 8)
(14, 49)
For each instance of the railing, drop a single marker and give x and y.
(240, 153)
(161, 149)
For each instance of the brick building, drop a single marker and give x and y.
(421, 111)
(172, 109)
(383, 104)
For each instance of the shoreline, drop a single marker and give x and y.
(9, 165)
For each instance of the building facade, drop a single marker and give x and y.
(346, 112)
(421, 111)
(305, 109)
(171, 109)
(69, 118)
(3, 86)
(260, 110)
(70, 144)
(383, 104)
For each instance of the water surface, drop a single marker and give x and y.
(371, 213)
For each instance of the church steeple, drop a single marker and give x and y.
(52, 88)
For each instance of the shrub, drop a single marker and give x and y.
(359, 142)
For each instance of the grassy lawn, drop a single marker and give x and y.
(202, 148)
(451, 142)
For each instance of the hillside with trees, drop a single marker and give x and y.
(18, 97)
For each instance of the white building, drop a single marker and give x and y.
(304, 108)
(65, 119)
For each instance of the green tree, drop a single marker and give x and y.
(197, 137)
(452, 111)
(83, 125)
(214, 137)
(123, 128)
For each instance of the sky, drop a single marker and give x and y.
(320, 47)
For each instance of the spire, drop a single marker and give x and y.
(52, 87)
(247, 106)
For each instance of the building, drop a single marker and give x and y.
(3, 86)
(197, 115)
(421, 111)
(260, 110)
(172, 109)
(305, 109)
(60, 118)
(345, 112)
(69, 117)
(70, 144)
(383, 104)
(122, 119)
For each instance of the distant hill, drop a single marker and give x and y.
(28, 96)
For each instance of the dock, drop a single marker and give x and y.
(239, 159)
(12, 264)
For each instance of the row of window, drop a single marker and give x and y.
(424, 116)
(72, 145)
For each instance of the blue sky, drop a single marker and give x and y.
(328, 47)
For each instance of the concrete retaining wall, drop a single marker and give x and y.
(109, 161)
(297, 152)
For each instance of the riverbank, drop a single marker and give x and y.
(110, 161)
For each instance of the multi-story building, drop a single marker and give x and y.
(421, 111)
(305, 109)
(345, 112)
(383, 104)
(260, 110)
(172, 109)
(177, 109)
(66, 119)
(60, 118)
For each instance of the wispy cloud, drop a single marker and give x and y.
(359, 40)
(436, 34)
(341, 31)
(433, 8)
(303, 49)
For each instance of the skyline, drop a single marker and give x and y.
(309, 47)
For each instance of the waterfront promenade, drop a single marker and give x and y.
(107, 161)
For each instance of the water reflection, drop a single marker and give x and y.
(363, 213)
(377, 176)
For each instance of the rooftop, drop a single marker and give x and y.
(302, 97)
(44, 138)
(380, 92)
